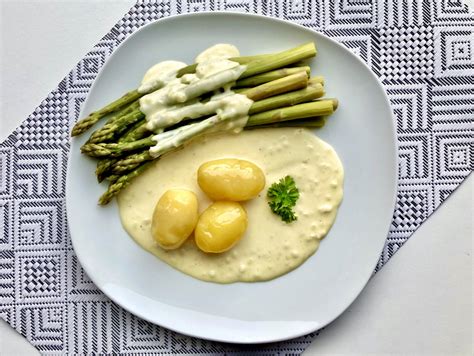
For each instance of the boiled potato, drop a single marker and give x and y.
(174, 218)
(231, 179)
(220, 226)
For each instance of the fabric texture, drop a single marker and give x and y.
(422, 50)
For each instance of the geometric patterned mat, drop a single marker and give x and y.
(422, 50)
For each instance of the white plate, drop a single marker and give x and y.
(327, 283)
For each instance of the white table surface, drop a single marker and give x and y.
(421, 301)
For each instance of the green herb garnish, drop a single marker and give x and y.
(282, 198)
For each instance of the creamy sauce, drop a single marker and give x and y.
(177, 98)
(269, 247)
(159, 75)
(218, 51)
(231, 116)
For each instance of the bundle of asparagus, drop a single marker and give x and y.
(281, 95)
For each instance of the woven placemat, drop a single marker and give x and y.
(421, 50)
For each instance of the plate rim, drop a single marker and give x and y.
(353, 296)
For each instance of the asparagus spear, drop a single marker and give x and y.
(283, 85)
(103, 167)
(186, 133)
(136, 132)
(311, 92)
(124, 111)
(300, 111)
(111, 130)
(121, 183)
(269, 76)
(113, 178)
(219, 79)
(86, 123)
(240, 90)
(314, 122)
(131, 162)
(116, 149)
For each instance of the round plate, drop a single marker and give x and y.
(299, 302)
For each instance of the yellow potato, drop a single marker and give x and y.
(231, 179)
(174, 218)
(220, 226)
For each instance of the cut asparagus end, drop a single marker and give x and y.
(317, 79)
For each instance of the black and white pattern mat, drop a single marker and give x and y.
(422, 50)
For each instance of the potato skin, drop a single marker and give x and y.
(174, 218)
(231, 179)
(220, 226)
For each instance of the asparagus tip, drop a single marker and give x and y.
(104, 199)
(77, 130)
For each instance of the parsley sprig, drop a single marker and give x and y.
(282, 198)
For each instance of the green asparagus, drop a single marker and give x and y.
(136, 132)
(190, 69)
(122, 183)
(311, 122)
(300, 111)
(115, 128)
(116, 149)
(269, 76)
(283, 85)
(86, 123)
(311, 92)
(103, 167)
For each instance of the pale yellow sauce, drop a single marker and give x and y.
(269, 247)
